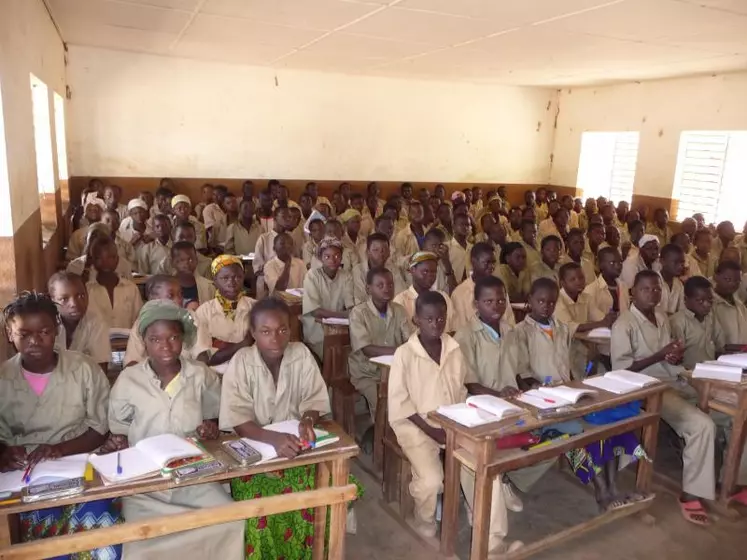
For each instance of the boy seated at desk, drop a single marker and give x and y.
(80, 330)
(311, 246)
(729, 310)
(168, 393)
(185, 231)
(672, 267)
(642, 342)
(435, 242)
(154, 257)
(196, 289)
(265, 249)
(429, 371)
(52, 404)
(284, 270)
(459, 247)
(377, 327)
(377, 256)
(423, 268)
(551, 247)
(514, 273)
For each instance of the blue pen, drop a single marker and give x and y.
(548, 379)
(119, 464)
(589, 367)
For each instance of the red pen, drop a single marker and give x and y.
(549, 400)
(26, 474)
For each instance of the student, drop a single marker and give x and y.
(134, 229)
(52, 404)
(327, 293)
(459, 247)
(410, 240)
(444, 220)
(170, 394)
(83, 265)
(574, 309)
(529, 241)
(611, 237)
(595, 239)
(265, 213)
(636, 230)
(283, 271)
(185, 232)
(162, 287)
(207, 199)
(79, 330)
(351, 239)
(264, 251)
(313, 191)
(297, 233)
(513, 271)
(333, 228)
(215, 219)
(377, 327)
(226, 316)
(115, 299)
(371, 211)
(696, 326)
(377, 256)
(154, 257)
(725, 236)
(423, 267)
(112, 198)
(701, 254)
(162, 202)
(642, 342)
(558, 225)
(196, 289)
(647, 258)
(435, 242)
(574, 245)
(76, 243)
(730, 312)
(181, 207)
(682, 240)
(548, 267)
(272, 381)
(110, 218)
(607, 294)
(427, 372)
(311, 247)
(672, 290)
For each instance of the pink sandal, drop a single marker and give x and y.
(740, 497)
(692, 510)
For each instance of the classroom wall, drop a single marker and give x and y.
(138, 115)
(660, 110)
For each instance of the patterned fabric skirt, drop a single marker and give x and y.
(286, 536)
(67, 520)
(587, 462)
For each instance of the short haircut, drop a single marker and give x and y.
(31, 303)
(605, 252)
(695, 283)
(374, 237)
(567, 268)
(278, 210)
(356, 196)
(429, 298)
(63, 276)
(272, 183)
(265, 305)
(724, 266)
(155, 282)
(645, 275)
(161, 218)
(182, 246)
(164, 192)
(305, 195)
(550, 239)
(382, 218)
(100, 243)
(574, 232)
(680, 235)
(480, 248)
(316, 221)
(436, 233)
(595, 225)
(635, 224)
(374, 272)
(509, 248)
(527, 223)
(543, 284)
(390, 206)
(701, 233)
(486, 283)
(185, 224)
(281, 236)
(461, 216)
(671, 249)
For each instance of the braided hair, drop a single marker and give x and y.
(31, 303)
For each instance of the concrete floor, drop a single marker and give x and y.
(558, 501)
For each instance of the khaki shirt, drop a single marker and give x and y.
(517, 287)
(135, 352)
(78, 266)
(205, 288)
(204, 265)
(214, 217)
(200, 235)
(634, 338)
(73, 402)
(309, 251)
(459, 257)
(634, 264)
(139, 408)
(407, 300)
(600, 298)
(91, 337)
(251, 395)
(242, 241)
(360, 273)
(701, 339)
(486, 356)
(587, 266)
(154, 258)
(664, 234)
(322, 292)
(542, 270)
(349, 260)
(406, 243)
(418, 385)
(531, 353)
(574, 314)
(463, 304)
(274, 268)
(127, 303)
(706, 266)
(672, 299)
(76, 243)
(264, 250)
(732, 318)
(369, 328)
(533, 255)
(222, 328)
(127, 231)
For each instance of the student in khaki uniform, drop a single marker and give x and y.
(181, 206)
(242, 235)
(134, 229)
(410, 239)
(574, 246)
(52, 404)
(595, 238)
(514, 273)
(311, 247)
(547, 267)
(459, 247)
(226, 316)
(117, 300)
(327, 293)
(352, 240)
(728, 309)
(333, 229)
(646, 258)
(701, 254)
(162, 287)
(642, 342)
(574, 309)
(80, 330)
(607, 293)
(672, 290)
(435, 242)
(170, 394)
(154, 257)
(528, 240)
(77, 238)
(275, 380)
(196, 289)
(377, 327)
(691, 267)
(463, 297)
(695, 324)
(427, 372)
(377, 256)
(185, 232)
(126, 251)
(215, 219)
(284, 270)
(725, 236)
(265, 248)
(83, 265)
(660, 226)
(423, 268)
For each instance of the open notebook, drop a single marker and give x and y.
(383, 360)
(298, 292)
(718, 370)
(554, 397)
(480, 409)
(600, 332)
(65, 468)
(145, 459)
(336, 321)
(621, 381)
(288, 427)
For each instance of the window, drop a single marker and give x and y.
(711, 174)
(607, 165)
(45, 177)
(6, 217)
(59, 134)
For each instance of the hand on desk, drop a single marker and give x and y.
(43, 453)
(115, 442)
(509, 392)
(12, 458)
(208, 430)
(306, 430)
(286, 445)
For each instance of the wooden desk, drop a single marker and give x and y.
(336, 337)
(332, 489)
(730, 399)
(475, 448)
(295, 304)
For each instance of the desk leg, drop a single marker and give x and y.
(450, 511)
(320, 513)
(5, 539)
(338, 512)
(482, 504)
(649, 437)
(735, 449)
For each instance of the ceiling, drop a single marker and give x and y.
(520, 42)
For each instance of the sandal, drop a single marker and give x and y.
(637, 497)
(740, 497)
(694, 510)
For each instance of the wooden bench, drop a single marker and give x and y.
(337, 377)
(397, 475)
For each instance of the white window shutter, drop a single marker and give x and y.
(607, 165)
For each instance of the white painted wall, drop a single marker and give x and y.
(660, 110)
(142, 115)
(28, 43)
